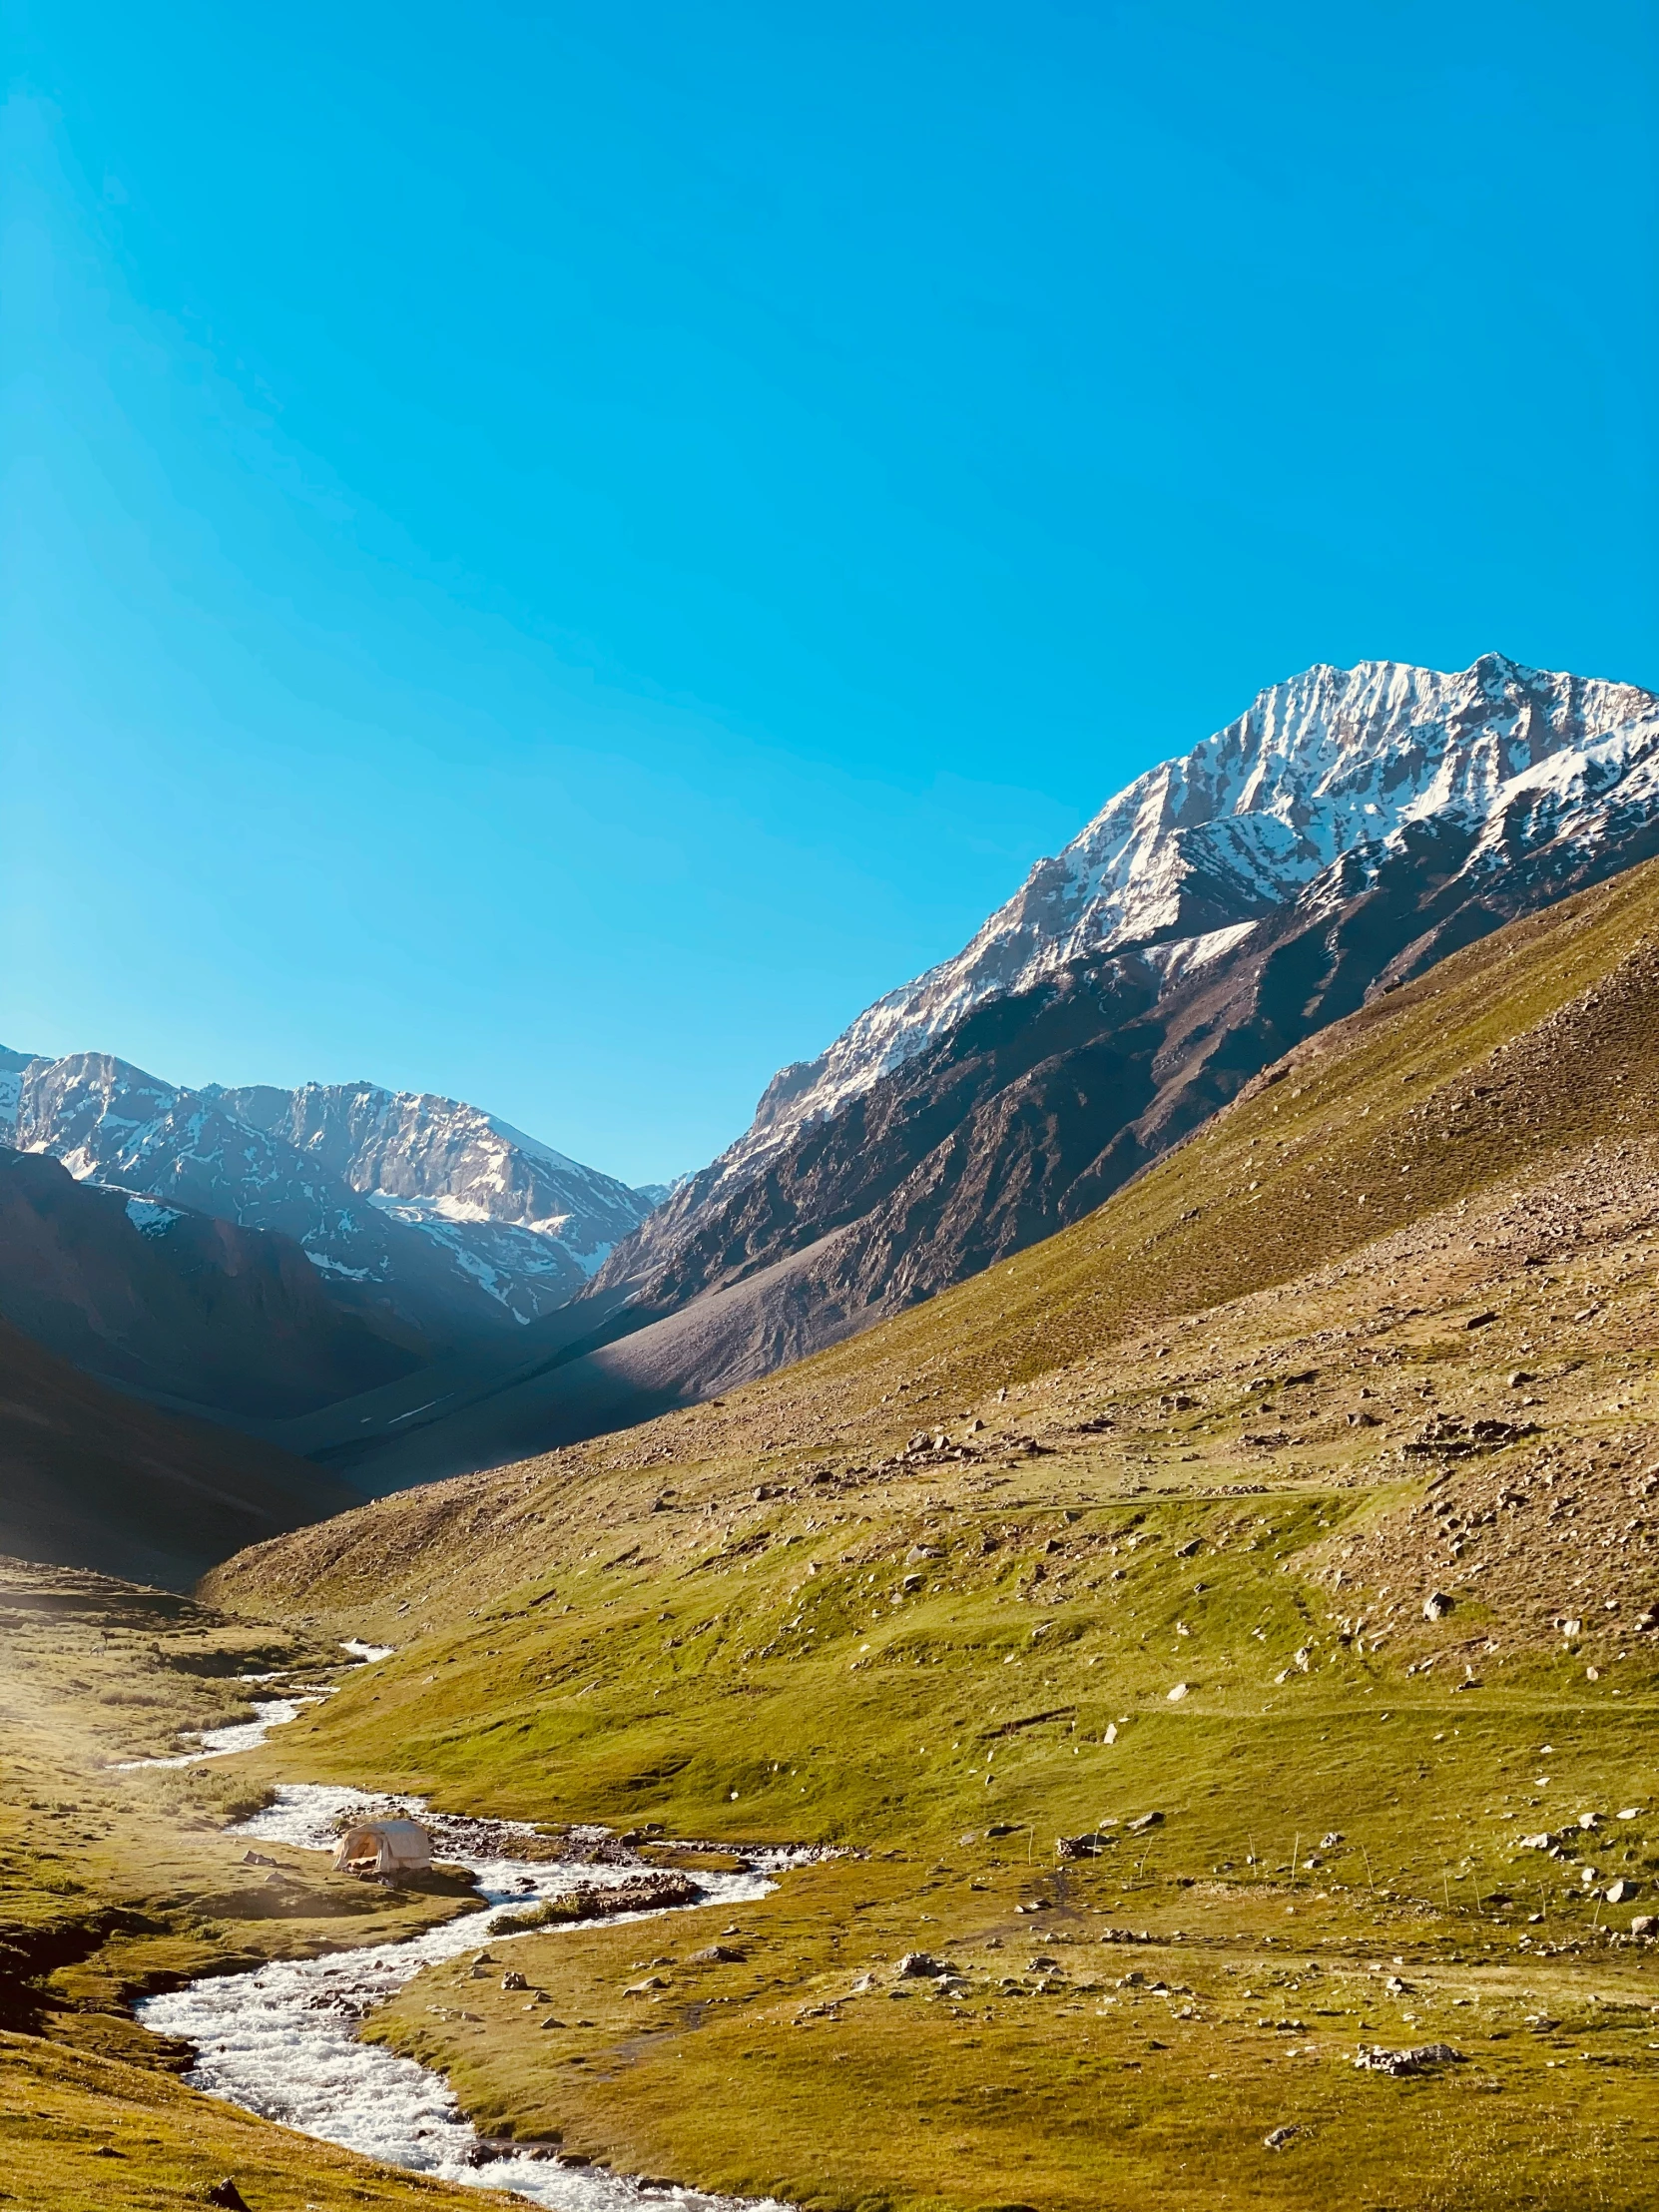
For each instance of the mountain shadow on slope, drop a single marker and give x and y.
(164, 1299)
(89, 1478)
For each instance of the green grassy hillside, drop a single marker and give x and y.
(1507, 1060)
(1305, 1496)
(1145, 1522)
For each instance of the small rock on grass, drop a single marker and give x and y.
(1277, 2137)
(226, 2194)
(921, 1965)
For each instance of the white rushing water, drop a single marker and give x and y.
(268, 1713)
(283, 2041)
(220, 1743)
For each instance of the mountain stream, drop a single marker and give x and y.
(282, 2040)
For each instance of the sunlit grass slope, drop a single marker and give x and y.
(1302, 1496)
(1507, 1057)
(114, 1884)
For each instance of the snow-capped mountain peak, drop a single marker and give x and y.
(1318, 771)
(437, 1160)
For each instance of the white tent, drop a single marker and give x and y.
(384, 1847)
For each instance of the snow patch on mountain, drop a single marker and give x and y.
(449, 1170)
(443, 1212)
(1320, 772)
(150, 1219)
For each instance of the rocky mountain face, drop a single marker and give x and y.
(1347, 832)
(429, 1220)
(530, 1224)
(173, 1302)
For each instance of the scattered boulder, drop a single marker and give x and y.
(1180, 1691)
(592, 1900)
(514, 1981)
(1436, 1605)
(1078, 1846)
(1277, 2137)
(1191, 1551)
(921, 1965)
(1645, 1923)
(1621, 1892)
(720, 1954)
(226, 2194)
(645, 1987)
(1142, 1822)
(1421, 2059)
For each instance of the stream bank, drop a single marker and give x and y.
(282, 2040)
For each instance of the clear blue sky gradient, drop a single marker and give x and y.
(551, 554)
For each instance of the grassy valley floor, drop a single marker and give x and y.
(115, 1885)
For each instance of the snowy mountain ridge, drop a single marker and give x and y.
(1329, 768)
(441, 1165)
(423, 1207)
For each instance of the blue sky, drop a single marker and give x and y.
(552, 554)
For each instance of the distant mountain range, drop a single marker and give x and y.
(433, 1223)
